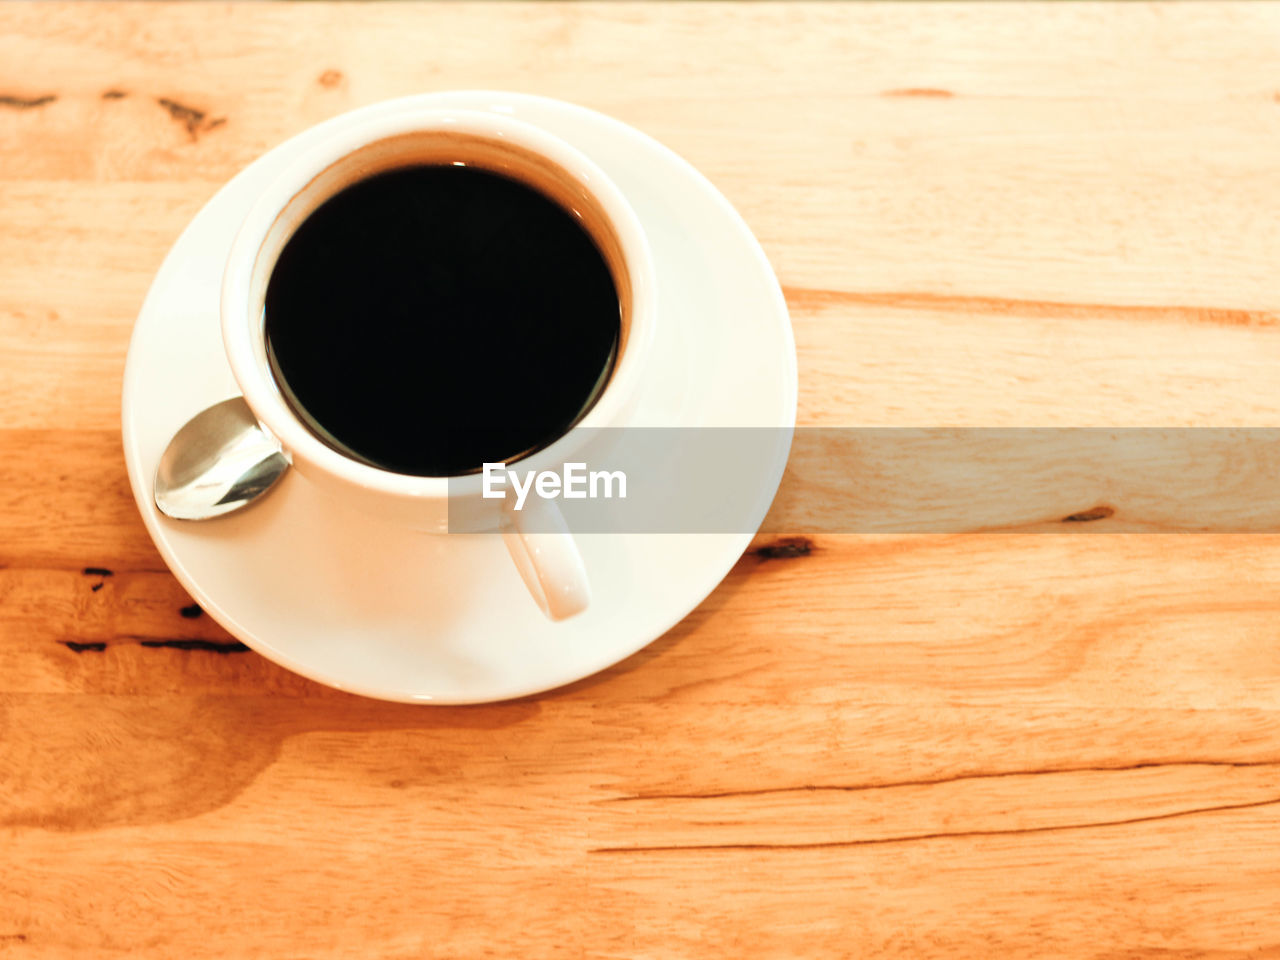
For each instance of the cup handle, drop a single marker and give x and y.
(547, 557)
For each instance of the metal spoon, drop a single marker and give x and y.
(219, 462)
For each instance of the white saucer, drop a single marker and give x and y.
(389, 613)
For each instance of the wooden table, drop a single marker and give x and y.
(952, 746)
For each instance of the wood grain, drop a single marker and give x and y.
(961, 745)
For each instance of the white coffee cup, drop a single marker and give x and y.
(549, 563)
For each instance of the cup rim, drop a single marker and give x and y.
(242, 332)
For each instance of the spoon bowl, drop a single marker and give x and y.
(219, 462)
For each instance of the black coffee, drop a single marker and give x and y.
(434, 318)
